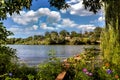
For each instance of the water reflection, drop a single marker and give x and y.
(35, 54)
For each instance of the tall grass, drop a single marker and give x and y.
(110, 44)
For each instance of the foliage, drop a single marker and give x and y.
(92, 67)
(23, 72)
(82, 69)
(30, 77)
(110, 45)
(61, 4)
(92, 5)
(9, 70)
(50, 69)
(9, 78)
(3, 33)
(110, 37)
(7, 55)
(97, 32)
(109, 71)
(64, 33)
(13, 6)
(19, 72)
(63, 37)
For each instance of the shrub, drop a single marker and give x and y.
(50, 69)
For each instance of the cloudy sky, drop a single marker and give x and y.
(41, 18)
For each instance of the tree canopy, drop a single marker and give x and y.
(13, 6)
(4, 33)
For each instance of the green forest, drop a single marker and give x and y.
(63, 37)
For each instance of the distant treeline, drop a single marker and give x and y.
(63, 37)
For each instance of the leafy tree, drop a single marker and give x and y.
(6, 54)
(74, 34)
(62, 36)
(64, 33)
(59, 4)
(86, 34)
(47, 34)
(54, 32)
(80, 34)
(95, 36)
(61, 39)
(38, 37)
(97, 33)
(3, 33)
(29, 38)
(54, 37)
(13, 6)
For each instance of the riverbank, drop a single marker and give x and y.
(67, 42)
(87, 65)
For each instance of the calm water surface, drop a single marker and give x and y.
(35, 54)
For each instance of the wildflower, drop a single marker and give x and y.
(107, 64)
(84, 70)
(87, 73)
(109, 71)
(90, 74)
(116, 76)
(10, 74)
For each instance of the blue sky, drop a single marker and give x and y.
(41, 18)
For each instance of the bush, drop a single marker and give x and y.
(90, 68)
(51, 68)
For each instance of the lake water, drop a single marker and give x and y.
(35, 54)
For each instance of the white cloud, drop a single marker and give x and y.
(32, 16)
(20, 30)
(35, 27)
(77, 8)
(57, 25)
(23, 31)
(45, 27)
(43, 11)
(30, 13)
(73, 1)
(68, 23)
(101, 19)
(54, 17)
(86, 27)
(63, 11)
(15, 29)
(25, 17)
